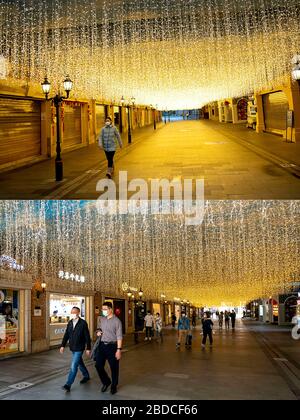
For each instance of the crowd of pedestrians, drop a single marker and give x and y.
(109, 333)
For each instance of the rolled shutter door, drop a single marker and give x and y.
(20, 129)
(275, 112)
(72, 126)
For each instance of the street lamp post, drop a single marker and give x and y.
(129, 121)
(58, 100)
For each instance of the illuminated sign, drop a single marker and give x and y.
(126, 288)
(275, 310)
(65, 275)
(10, 263)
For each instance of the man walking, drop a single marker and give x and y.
(183, 329)
(78, 336)
(207, 330)
(149, 324)
(107, 141)
(109, 349)
(233, 319)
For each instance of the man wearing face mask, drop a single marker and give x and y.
(110, 347)
(183, 329)
(78, 336)
(107, 141)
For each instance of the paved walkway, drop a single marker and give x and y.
(238, 367)
(235, 162)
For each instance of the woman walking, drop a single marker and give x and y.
(107, 141)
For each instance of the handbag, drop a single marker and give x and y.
(95, 348)
(97, 342)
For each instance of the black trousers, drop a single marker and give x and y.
(205, 335)
(110, 158)
(107, 352)
(149, 332)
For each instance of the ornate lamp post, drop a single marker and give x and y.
(129, 117)
(154, 118)
(58, 100)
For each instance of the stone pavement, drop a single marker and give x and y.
(235, 162)
(37, 181)
(237, 367)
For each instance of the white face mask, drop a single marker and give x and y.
(105, 313)
(108, 123)
(74, 316)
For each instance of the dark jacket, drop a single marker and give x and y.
(207, 325)
(79, 338)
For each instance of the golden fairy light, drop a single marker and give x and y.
(177, 54)
(243, 250)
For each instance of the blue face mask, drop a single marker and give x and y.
(105, 313)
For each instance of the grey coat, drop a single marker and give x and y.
(108, 138)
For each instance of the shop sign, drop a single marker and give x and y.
(65, 275)
(275, 310)
(126, 287)
(10, 263)
(37, 312)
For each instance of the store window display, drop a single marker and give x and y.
(9, 328)
(60, 310)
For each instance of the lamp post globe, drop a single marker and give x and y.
(68, 85)
(46, 86)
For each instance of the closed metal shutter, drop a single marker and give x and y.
(72, 126)
(275, 111)
(20, 129)
(100, 117)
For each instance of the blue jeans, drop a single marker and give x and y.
(77, 362)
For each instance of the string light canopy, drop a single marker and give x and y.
(244, 250)
(173, 53)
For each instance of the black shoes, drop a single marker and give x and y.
(113, 390)
(105, 388)
(66, 388)
(84, 380)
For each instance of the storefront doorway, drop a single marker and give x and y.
(119, 310)
(290, 308)
(139, 315)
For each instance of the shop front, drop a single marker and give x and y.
(20, 129)
(15, 290)
(275, 107)
(140, 311)
(72, 124)
(156, 308)
(60, 306)
(287, 308)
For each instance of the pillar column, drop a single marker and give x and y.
(260, 126)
